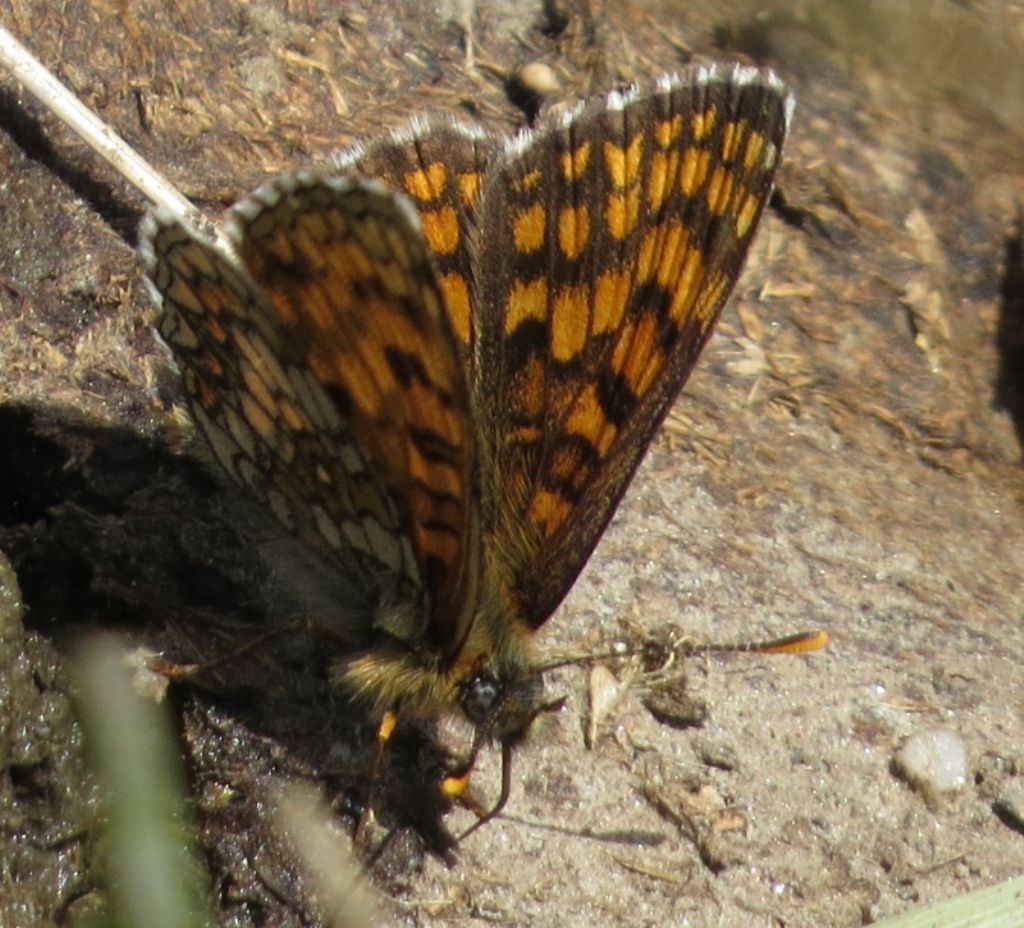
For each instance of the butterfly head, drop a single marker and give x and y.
(503, 705)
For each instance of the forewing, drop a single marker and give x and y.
(610, 239)
(439, 163)
(321, 367)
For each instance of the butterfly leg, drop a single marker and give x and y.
(385, 730)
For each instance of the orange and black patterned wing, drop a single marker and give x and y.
(439, 163)
(321, 367)
(611, 237)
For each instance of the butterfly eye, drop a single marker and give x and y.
(480, 696)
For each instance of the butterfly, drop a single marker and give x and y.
(439, 363)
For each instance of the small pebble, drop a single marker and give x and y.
(1009, 806)
(934, 762)
(538, 78)
(675, 706)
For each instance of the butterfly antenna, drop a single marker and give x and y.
(796, 643)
